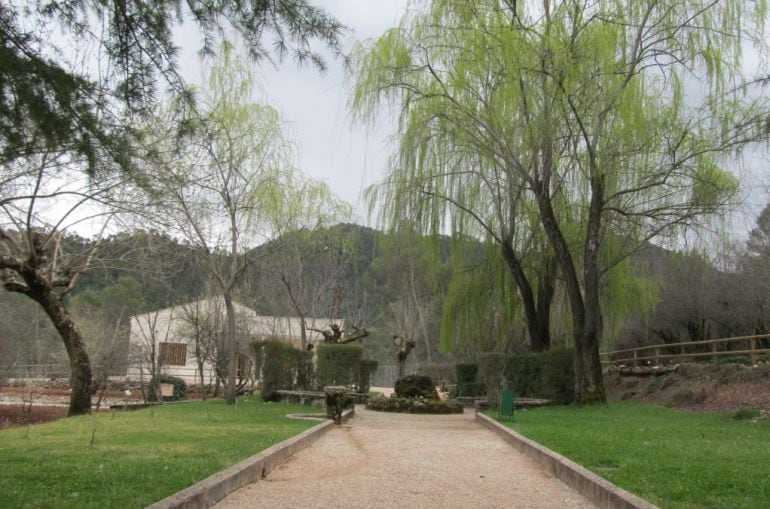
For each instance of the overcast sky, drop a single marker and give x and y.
(350, 157)
(330, 148)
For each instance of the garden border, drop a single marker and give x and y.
(211, 490)
(598, 490)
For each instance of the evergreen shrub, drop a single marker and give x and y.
(366, 368)
(548, 374)
(280, 366)
(180, 388)
(466, 379)
(491, 372)
(558, 374)
(337, 364)
(415, 386)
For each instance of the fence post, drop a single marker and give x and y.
(636, 354)
(714, 353)
(657, 356)
(753, 353)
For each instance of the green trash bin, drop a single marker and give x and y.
(505, 408)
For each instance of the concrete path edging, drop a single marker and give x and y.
(211, 490)
(598, 490)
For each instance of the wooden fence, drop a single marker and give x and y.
(749, 346)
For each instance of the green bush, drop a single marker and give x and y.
(491, 372)
(415, 386)
(180, 388)
(548, 374)
(337, 364)
(524, 373)
(466, 379)
(558, 374)
(414, 405)
(366, 368)
(281, 366)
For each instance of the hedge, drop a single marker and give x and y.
(491, 371)
(337, 364)
(466, 379)
(549, 374)
(281, 366)
(366, 368)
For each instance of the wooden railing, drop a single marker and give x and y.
(751, 346)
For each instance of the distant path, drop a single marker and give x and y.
(383, 460)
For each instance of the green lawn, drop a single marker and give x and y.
(137, 457)
(671, 458)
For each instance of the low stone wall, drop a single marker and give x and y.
(310, 398)
(598, 490)
(211, 490)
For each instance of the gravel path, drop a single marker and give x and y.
(381, 460)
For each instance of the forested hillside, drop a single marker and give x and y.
(391, 284)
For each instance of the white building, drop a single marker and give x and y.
(181, 339)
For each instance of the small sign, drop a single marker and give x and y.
(167, 390)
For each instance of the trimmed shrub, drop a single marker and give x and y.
(549, 374)
(466, 378)
(180, 388)
(558, 374)
(365, 370)
(414, 405)
(337, 364)
(281, 366)
(415, 386)
(492, 372)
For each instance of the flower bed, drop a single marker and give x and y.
(414, 405)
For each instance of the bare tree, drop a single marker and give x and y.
(231, 185)
(42, 197)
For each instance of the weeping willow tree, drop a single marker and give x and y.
(569, 118)
(445, 177)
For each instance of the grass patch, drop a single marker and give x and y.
(137, 457)
(673, 459)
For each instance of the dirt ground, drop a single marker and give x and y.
(18, 415)
(719, 388)
(48, 404)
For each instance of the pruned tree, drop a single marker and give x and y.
(41, 198)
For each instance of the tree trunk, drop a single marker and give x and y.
(589, 383)
(232, 350)
(41, 292)
(539, 333)
(545, 290)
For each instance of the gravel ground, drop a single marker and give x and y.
(408, 461)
